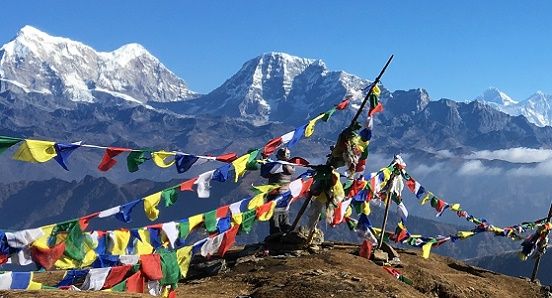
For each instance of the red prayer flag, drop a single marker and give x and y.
(343, 104)
(151, 266)
(228, 240)
(135, 283)
(376, 109)
(187, 185)
(222, 211)
(172, 294)
(116, 275)
(85, 220)
(366, 249)
(411, 184)
(46, 257)
(107, 161)
(271, 146)
(3, 259)
(227, 157)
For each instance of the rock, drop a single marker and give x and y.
(380, 256)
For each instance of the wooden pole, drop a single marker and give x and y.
(300, 213)
(537, 260)
(387, 204)
(367, 97)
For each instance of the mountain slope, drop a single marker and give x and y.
(69, 70)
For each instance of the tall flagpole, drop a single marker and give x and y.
(366, 98)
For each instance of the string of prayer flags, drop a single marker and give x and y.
(398, 275)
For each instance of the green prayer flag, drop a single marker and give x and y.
(248, 218)
(169, 267)
(134, 159)
(7, 142)
(120, 287)
(210, 220)
(184, 229)
(252, 163)
(73, 242)
(328, 114)
(169, 196)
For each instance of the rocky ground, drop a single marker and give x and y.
(335, 272)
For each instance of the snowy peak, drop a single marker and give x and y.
(537, 108)
(275, 85)
(493, 95)
(72, 71)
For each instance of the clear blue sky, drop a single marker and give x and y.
(454, 49)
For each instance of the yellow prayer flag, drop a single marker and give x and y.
(184, 256)
(426, 198)
(309, 130)
(35, 151)
(195, 220)
(376, 91)
(42, 242)
(160, 156)
(150, 205)
(265, 188)
(455, 207)
(365, 208)
(65, 263)
(239, 166)
(143, 247)
(33, 285)
(237, 218)
(465, 234)
(89, 258)
(118, 242)
(348, 212)
(426, 250)
(256, 201)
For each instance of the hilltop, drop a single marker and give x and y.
(336, 272)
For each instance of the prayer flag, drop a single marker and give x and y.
(63, 151)
(240, 166)
(150, 206)
(184, 162)
(203, 183)
(184, 256)
(227, 157)
(135, 159)
(7, 142)
(159, 158)
(309, 130)
(108, 160)
(35, 151)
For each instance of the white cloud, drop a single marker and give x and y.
(541, 169)
(476, 167)
(516, 155)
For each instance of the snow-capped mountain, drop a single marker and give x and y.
(35, 62)
(278, 87)
(493, 95)
(537, 108)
